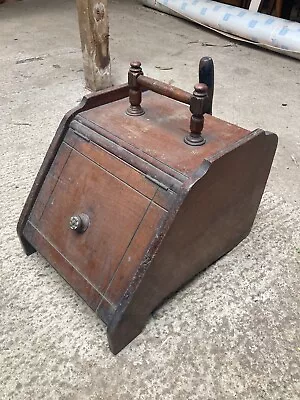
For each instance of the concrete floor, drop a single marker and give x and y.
(232, 333)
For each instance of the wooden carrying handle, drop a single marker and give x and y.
(164, 89)
(200, 101)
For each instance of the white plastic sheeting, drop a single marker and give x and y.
(261, 29)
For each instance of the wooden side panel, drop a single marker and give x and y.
(216, 215)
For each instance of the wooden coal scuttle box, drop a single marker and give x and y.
(135, 196)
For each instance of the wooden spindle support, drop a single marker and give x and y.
(198, 106)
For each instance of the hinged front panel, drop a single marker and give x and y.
(90, 216)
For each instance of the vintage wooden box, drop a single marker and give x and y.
(129, 204)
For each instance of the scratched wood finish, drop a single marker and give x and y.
(161, 130)
(160, 211)
(63, 266)
(52, 178)
(217, 213)
(131, 176)
(115, 215)
(100, 263)
(88, 101)
(113, 165)
(131, 260)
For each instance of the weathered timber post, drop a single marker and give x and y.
(94, 34)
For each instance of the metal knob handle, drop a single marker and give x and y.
(79, 223)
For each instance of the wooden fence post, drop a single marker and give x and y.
(94, 35)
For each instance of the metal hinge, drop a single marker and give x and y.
(82, 136)
(158, 183)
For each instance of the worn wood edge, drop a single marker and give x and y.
(164, 226)
(129, 156)
(123, 321)
(236, 144)
(81, 119)
(31, 230)
(273, 135)
(89, 101)
(129, 162)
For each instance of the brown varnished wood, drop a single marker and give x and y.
(145, 234)
(113, 165)
(164, 89)
(89, 293)
(222, 205)
(165, 198)
(89, 101)
(128, 153)
(115, 211)
(160, 132)
(160, 210)
(56, 201)
(59, 162)
(116, 166)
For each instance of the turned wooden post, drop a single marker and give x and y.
(94, 34)
(199, 104)
(135, 93)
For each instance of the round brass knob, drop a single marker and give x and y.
(79, 223)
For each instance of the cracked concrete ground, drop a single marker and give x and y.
(233, 332)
